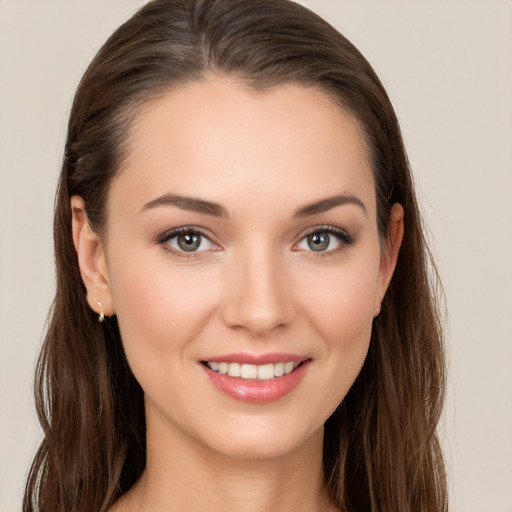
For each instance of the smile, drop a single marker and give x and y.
(255, 379)
(253, 371)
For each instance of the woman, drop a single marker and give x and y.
(236, 209)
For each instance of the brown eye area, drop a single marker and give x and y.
(318, 241)
(189, 242)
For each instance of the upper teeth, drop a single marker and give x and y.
(253, 371)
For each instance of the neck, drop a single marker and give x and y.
(181, 474)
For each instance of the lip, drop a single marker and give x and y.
(258, 359)
(256, 391)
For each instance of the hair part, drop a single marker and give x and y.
(381, 451)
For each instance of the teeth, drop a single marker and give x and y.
(252, 371)
(234, 370)
(288, 367)
(248, 371)
(266, 372)
(279, 369)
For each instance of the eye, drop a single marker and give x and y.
(186, 240)
(325, 240)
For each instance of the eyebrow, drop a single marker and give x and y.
(328, 203)
(194, 204)
(191, 204)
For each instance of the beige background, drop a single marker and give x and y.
(448, 68)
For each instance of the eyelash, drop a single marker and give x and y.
(346, 240)
(164, 239)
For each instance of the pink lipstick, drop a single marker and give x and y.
(256, 379)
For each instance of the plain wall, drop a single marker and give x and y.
(447, 66)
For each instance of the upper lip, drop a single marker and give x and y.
(257, 359)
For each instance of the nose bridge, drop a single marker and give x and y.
(258, 299)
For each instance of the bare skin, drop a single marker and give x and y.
(286, 258)
(219, 483)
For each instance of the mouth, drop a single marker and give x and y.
(267, 371)
(242, 378)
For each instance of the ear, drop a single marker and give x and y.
(91, 259)
(389, 253)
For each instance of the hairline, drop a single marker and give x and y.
(141, 104)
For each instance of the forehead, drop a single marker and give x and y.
(220, 140)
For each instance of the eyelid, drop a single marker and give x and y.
(170, 233)
(164, 238)
(346, 239)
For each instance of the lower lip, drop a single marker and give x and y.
(256, 391)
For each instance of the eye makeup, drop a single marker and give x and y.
(187, 241)
(192, 241)
(318, 240)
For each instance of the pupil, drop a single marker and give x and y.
(318, 241)
(189, 241)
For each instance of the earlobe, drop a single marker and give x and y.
(389, 254)
(91, 259)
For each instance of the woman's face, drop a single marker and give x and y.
(242, 237)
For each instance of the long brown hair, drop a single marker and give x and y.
(381, 451)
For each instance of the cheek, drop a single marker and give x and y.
(160, 308)
(340, 309)
(342, 304)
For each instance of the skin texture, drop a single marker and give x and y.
(255, 286)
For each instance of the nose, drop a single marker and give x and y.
(258, 297)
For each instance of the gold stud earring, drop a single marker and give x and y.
(101, 316)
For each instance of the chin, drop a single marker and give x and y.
(257, 439)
